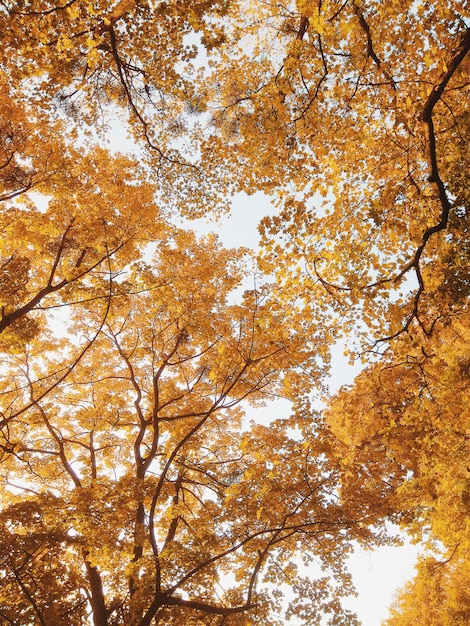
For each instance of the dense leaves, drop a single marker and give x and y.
(135, 489)
(138, 467)
(438, 595)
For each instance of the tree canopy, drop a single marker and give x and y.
(135, 488)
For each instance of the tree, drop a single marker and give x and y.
(402, 432)
(405, 422)
(71, 220)
(437, 596)
(402, 428)
(59, 202)
(131, 493)
(85, 61)
(137, 468)
(356, 113)
(353, 112)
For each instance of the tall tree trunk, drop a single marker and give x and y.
(98, 605)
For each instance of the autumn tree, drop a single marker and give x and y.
(403, 428)
(438, 595)
(402, 438)
(354, 112)
(134, 491)
(351, 112)
(404, 423)
(92, 62)
(70, 224)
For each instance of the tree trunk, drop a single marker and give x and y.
(98, 605)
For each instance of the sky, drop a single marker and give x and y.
(377, 576)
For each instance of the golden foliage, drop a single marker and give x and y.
(133, 488)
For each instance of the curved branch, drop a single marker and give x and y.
(121, 69)
(68, 369)
(433, 177)
(46, 12)
(206, 608)
(10, 318)
(302, 27)
(370, 47)
(28, 595)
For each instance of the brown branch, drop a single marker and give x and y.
(42, 13)
(433, 169)
(28, 595)
(276, 531)
(162, 600)
(206, 608)
(138, 547)
(174, 522)
(280, 533)
(10, 158)
(69, 368)
(10, 318)
(18, 192)
(97, 601)
(370, 47)
(335, 15)
(433, 177)
(318, 85)
(121, 69)
(59, 441)
(142, 464)
(426, 117)
(302, 27)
